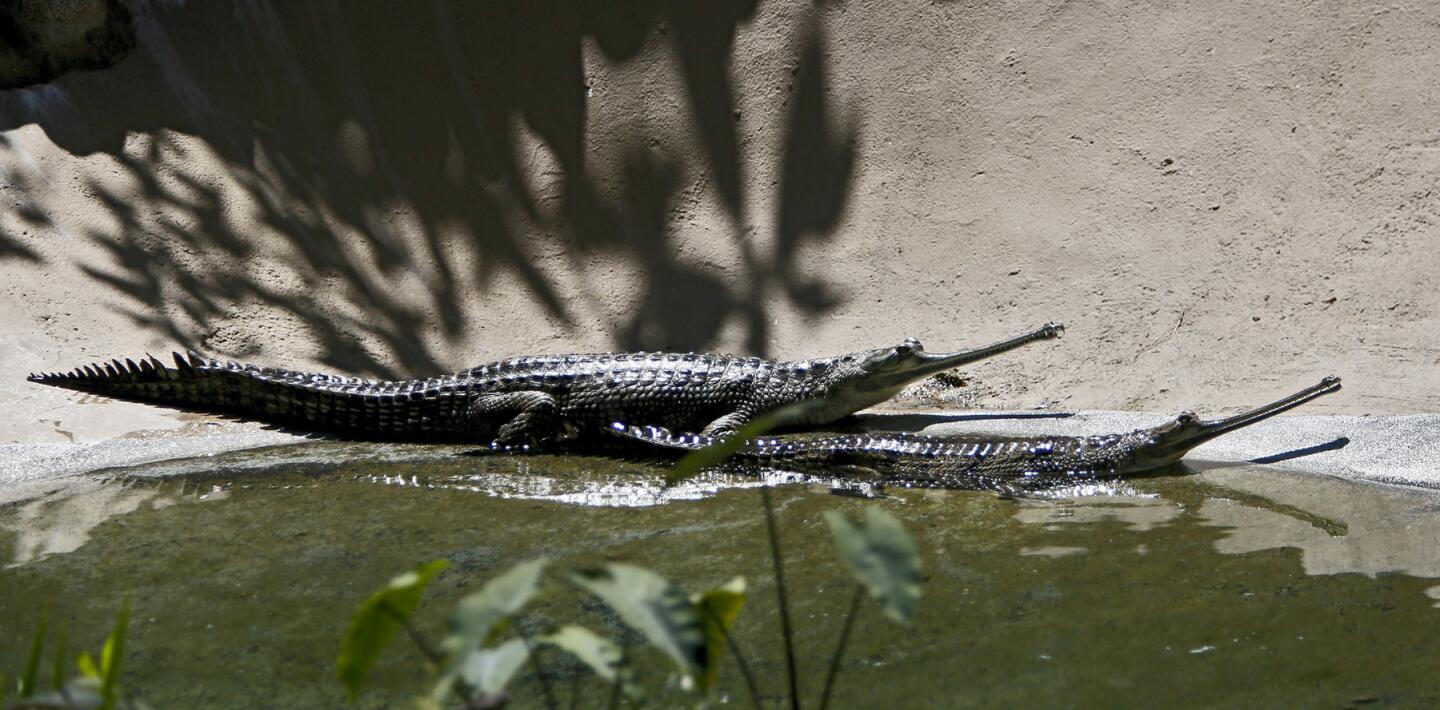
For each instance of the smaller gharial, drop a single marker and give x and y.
(979, 462)
(531, 401)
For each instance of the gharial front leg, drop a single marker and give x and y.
(530, 417)
(726, 425)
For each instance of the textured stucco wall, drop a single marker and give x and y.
(1223, 200)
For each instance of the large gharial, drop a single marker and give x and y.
(531, 400)
(973, 461)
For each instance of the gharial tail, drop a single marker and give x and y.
(760, 450)
(662, 438)
(193, 383)
(314, 402)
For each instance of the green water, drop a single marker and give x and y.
(1176, 593)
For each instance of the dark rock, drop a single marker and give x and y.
(43, 39)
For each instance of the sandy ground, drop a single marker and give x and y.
(1221, 200)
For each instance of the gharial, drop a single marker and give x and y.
(532, 400)
(989, 462)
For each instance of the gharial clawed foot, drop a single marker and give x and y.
(726, 425)
(535, 419)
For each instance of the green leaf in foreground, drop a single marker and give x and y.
(602, 656)
(86, 664)
(110, 656)
(698, 460)
(488, 670)
(718, 607)
(478, 616)
(883, 556)
(375, 624)
(32, 664)
(652, 605)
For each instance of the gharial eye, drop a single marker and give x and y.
(1187, 417)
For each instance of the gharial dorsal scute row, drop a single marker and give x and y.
(533, 400)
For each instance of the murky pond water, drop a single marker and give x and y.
(1240, 586)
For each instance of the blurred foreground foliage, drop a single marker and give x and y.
(97, 684)
(484, 648)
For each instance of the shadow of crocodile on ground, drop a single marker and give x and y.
(1333, 445)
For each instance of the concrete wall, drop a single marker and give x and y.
(1223, 200)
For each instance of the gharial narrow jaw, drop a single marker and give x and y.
(893, 368)
(1173, 439)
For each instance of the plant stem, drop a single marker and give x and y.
(739, 657)
(62, 654)
(779, 562)
(424, 644)
(539, 672)
(421, 642)
(840, 648)
(32, 666)
(615, 687)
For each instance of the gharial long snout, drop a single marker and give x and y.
(925, 364)
(1174, 438)
(1214, 428)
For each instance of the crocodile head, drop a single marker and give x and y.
(1165, 444)
(869, 377)
(891, 369)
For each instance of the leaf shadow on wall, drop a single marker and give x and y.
(380, 142)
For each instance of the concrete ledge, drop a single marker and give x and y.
(1389, 449)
